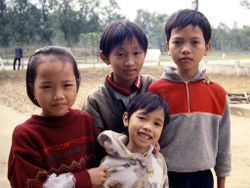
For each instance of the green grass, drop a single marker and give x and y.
(215, 56)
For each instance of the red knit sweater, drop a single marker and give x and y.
(45, 145)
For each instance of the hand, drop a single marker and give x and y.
(206, 79)
(98, 175)
(157, 148)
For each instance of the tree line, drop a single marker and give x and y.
(79, 23)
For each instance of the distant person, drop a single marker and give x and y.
(58, 147)
(130, 159)
(197, 138)
(18, 56)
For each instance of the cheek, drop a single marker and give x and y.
(158, 134)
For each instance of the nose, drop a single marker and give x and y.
(129, 61)
(148, 127)
(186, 49)
(58, 94)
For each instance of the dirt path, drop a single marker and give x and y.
(240, 177)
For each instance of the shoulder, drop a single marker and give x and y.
(217, 88)
(82, 114)
(147, 78)
(98, 92)
(158, 83)
(23, 131)
(24, 126)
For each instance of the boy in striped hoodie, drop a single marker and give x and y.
(198, 135)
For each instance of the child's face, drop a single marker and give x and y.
(144, 129)
(55, 86)
(187, 47)
(126, 61)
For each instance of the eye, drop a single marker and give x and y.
(158, 124)
(68, 85)
(45, 86)
(196, 42)
(120, 54)
(138, 53)
(177, 42)
(141, 117)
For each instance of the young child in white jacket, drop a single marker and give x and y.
(130, 158)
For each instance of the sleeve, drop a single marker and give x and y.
(91, 106)
(100, 151)
(21, 52)
(25, 165)
(223, 160)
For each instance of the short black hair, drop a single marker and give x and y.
(149, 102)
(33, 62)
(117, 32)
(182, 18)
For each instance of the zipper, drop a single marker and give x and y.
(188, 95)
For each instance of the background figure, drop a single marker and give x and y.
(18, 56)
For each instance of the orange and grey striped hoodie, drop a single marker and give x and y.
(198, 135)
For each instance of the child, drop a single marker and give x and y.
(57, 147)
(123, 46)
(130, 159)
(198, 135)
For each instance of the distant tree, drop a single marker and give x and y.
(45, 24)
(245, 38)
(220, 37)
(156, 35)
(245, 3)
(144, 19)
(153, 26)
(89, 17)
(69, 22)
(110, 13)
(4, 24)
(24, 21)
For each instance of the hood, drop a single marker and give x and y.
(115, 145)
(170, 73)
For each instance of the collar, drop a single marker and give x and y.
(136, 86)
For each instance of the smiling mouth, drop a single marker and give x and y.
(144, 136)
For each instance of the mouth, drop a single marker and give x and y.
(58, 104)
(186, 59)
(128, 71)
(144, 135)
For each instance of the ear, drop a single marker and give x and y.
(103, 57)
(208, 46)
(167, 47)
(125, 119)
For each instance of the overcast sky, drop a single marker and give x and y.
(217, 11)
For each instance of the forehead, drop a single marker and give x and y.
(131, 43)
(187, 31)
(158, 112)
(53, 65)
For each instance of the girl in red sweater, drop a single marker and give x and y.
(58, 147)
